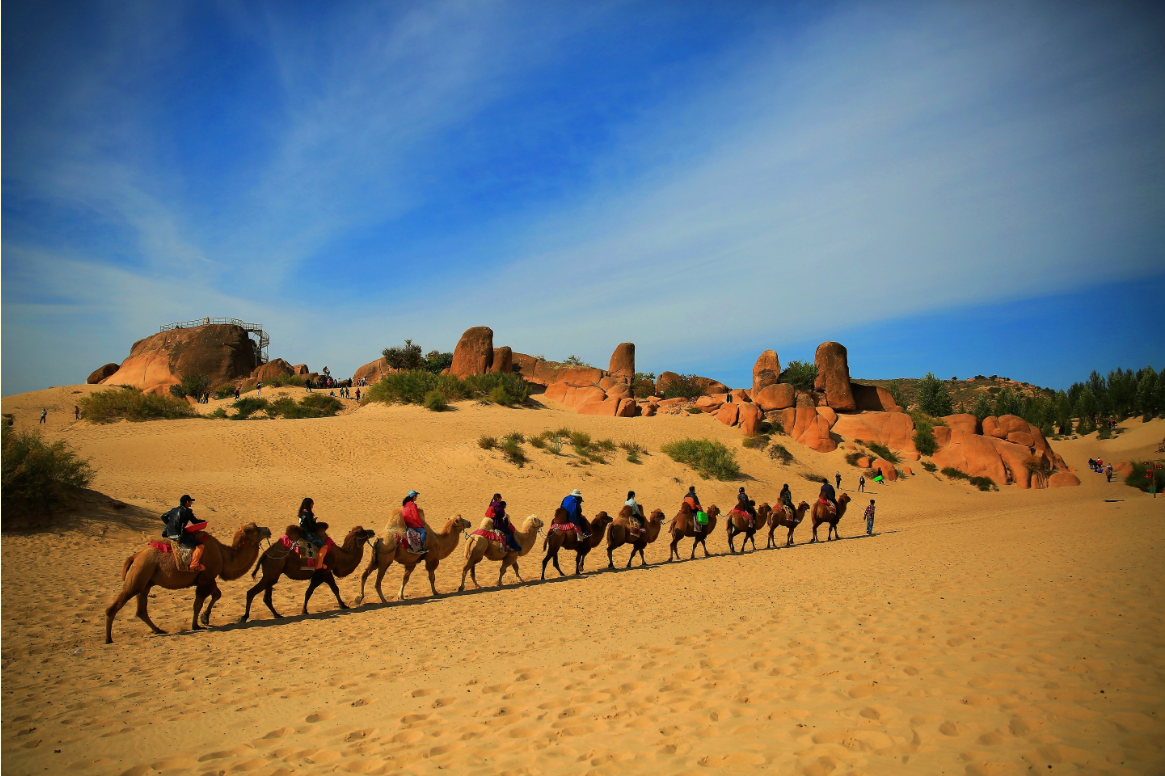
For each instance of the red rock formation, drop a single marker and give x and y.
(966, 423)
(101, 373)
(619, 391)
(301, 370)
(623, 361)
(1063, 480)
(739, 395)
(728, 414)
(832, 362)
(548, 373)
(524, 365)
(474, 353)
(766, 371)
(628, 408)
(649, 410)
(750, 418)
(276, 366)
(864, 462)
(373, 371)
(608, 407)
(503, 360)
(811, 430)
(222, 352)
(1013, 457)
(872, 398)
(973, 455)
(895, 430)
(575, 394)
(774, 397)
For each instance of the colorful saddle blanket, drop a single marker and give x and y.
(306, 551)
(182, 555)
(493, 536)
(561, 527)
(828, 504)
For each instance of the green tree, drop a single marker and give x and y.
(406, 358)
(982, 407)
(800, 374)
(933, 397)
(895, 391)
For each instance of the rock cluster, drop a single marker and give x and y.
(101, 373)
(222, 352)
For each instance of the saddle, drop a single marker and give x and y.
(492, 536)
(741, 513)
(182, 555)
(308, 553)
(829, 505)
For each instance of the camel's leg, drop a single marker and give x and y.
(642, 559)
(373, 562)
(731, 548)
(514, 565)
(675, 540)
(330, 579)
(611, 558)
(431, 567)
(200, 594)
(580, 559)
(215, 594)
(789, 542)
(400, 596)
(503, 572)
(473, 575)
(752, 538)
(550, 553)
(695, 544)
(814, 539)
(130, 590)
(704, 544)
(268, 600)
(143, 612)
(465, 570)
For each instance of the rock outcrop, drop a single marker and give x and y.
(873, 398)
(373, 371)
(222, 352)
(474, 353)
(832, 362)
(895, 430)
(623, 361)
(766, 371)
(503, 360)
(101, 373)
(276, 366)
(301, 370)
(778, 396)
(708, 385)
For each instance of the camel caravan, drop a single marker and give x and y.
(187, 556)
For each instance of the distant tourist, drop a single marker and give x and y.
(357, 394)
(1092, 464)
(1108, 472)
(307, 384)
(44, 413)
(236, 393)
(258, 389)
(76, 412)
(837, 476)
(870, 519)
(862, 483)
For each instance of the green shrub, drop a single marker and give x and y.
(313, 405)
(952, 473)
(883, 452)
(554, 446)
(777, 427)
(800, 374)
(924, 440)
(487, 442)
(633, 448)
(933, 397)
(412, 387)
(694, 411)
(852, 458)
(517, 437)
(895, 390)
(983, 483)
(539, 440)
(247, 405)
(282, 381)
(513, 453)
(435, 401)
(580, 440)
(1104, 432)
(573, 360)
(219, 412)
(37, 475)
(758, 442)
(606, 445)
(496, 387)
(406, 358)
(684, 387)
(191, 385)
(780, 453)
(436, 361)
(710, 459)
(132, 404)
(643, 385)
(633, 457)
(224, 391)
(1142, 476)
(930, 467)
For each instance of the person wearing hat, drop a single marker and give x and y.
(496, 511)
(311, 533)
(573, 506)
(416, 526)
(181, 527)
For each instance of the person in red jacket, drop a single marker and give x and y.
(412, 518)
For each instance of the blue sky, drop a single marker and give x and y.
(940, 186)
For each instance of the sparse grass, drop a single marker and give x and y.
(37, 475)
(606, 445)
(554, 446)
(951, 473)
(983, 483)
(852, 458)
(282, 381)
(219, 412)
(132, 404)
(883, 452)
(580, 440)
(517, 437)
(1143, 475)
(247, 405)
(710, 459)
(633, 457)
(435, 401)
(694, 411)
(633, 448)
(758, 442)
(540, 440)
(814, 478)
(486, 442)
(513, 453)
(930, 467)
(224, 391)
(412, 388)
(780, 453)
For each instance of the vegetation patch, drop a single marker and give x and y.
(132, 404)
(512, 452)
(983, 483)
(852, 458)
(249, 405)
(685, 387)
(1142, 476)
(191, 385)
(758, 442)
(800, 374)
(224, 391)
(37, 475)
(951, 473)
(313, 405)
(924, 440)
(435, 401)
(486, 442)
(412, 388)
(710, 459)
(930, 467)
(780, 453)
(643, 385)
(883, 452)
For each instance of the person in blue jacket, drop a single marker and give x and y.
(573, 506)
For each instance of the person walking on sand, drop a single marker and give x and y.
(258, 389)
(870, 519)
(236, 393)
(861, 483)
(1108, 472)
(837, 476)
(357, 394)
(44, 413)
(76, 412)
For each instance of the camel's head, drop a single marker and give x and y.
(656, 516)
(764, 509)
(845, 499)
(460, 523)
(602, 518)
(713, 511)
(255, 533)
(535, 522)
(805, 505)
(361, 534)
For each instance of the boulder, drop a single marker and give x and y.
(749, 419)
(766, 371)
(774, 397)
(829, 415)
(619, 391)
(1021, 438)
(1013, 456)
(739, 396)
(301, 370)
(101, 373)
(973, 455)
(575, 394)
(648, 410)
(1063, 480)
(728, 414)
(908, 471)
(274, 367)
(373, 371)
(608, 407)
(942, 436)
(523, 365)
(709, 403)
(222, 352)
(832, 362)
(474, 353)
(873, 398)
(963, 422)
(895, 430)
(812, 430)
(503, 361)
(708, 385)
(623, 361)
(628, 408)
(787, 418)
(549, 372)
(864, 462)
(886, 468)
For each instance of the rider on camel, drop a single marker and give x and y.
(311, 533)
(636, 513)
(497, 512)
(745, 504)
(182, 527)
(786, 497)
(693, 502)
(415, 526)
(828, 494)
(573, 506)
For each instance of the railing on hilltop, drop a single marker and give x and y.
(253, 328)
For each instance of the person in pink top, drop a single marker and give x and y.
(416, 526)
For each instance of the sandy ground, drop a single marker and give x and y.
(979, 633)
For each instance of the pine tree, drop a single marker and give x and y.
(933, 397)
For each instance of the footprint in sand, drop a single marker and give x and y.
(319, 716)
(362, 701)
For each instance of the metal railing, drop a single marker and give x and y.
(252, 328)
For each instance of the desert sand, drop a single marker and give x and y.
(979, 633)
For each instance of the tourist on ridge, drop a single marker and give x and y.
(236, 393)
(258, 389)
(870, 519)
(44, 413)
(76, 412)
(357, 394)
(573, 506)
(412, 518)
(307, 522)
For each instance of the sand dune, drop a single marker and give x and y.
(998, 633)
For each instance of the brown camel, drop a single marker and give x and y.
(148, 567)
(341, 560)
(568, 539)
(821, 515)
(780, 516)
(742, 523)
(683, 525)
(479, 547)
(620, 533)
(439, 545)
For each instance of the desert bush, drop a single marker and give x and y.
(580, 440)
(780, 453)
(606, 445)
(517, 437)
(643, 385)
(1143, 475)
(633, 457)
(247, 405)
(632, 447)
(554, 446)
(1038, 466)
(573, 360)
(883, 452)
(37, 475)
(924, 440)
(951, 473)
(777, 427)
(512, 452)
(282, 381)
(412, 387)
(684, 387)
(800, 374)
(405, 358)
(486, 442)
(219, 412)
(132, 404)
(930, 467)
(852, 458)
(435, 401)
(895, 390)
(313, 405)
(539, 440)
(436, 361)
(694, 411)
(758, 442)
(496, 387)
(224, 391)
(710, 459)
(1103, 431)
(983, 483)
(191, 385)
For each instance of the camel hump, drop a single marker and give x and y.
(294, 532)
(486, 524)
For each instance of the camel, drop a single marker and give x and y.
(568, 539)
(479, 547)
(742, 523)
(439, 545)
(148, 567)
(277, 561)
(620, 533)
(821, 515)
(682, 525)
(780, 516)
